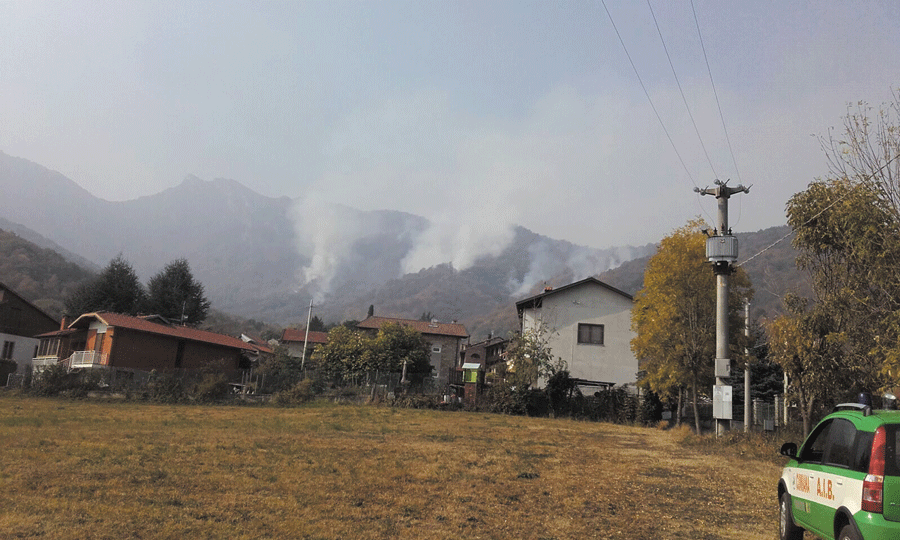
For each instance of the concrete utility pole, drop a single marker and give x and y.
(722, 250)
(747, 418)
(306, 338)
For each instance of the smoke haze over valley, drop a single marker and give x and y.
(265, 258)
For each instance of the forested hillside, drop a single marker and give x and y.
(40, 275)
(766, 255)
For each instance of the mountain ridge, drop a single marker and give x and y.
(265, 258)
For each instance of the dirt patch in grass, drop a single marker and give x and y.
(114, 470)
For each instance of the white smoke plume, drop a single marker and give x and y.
(326, 234)
(460, 239)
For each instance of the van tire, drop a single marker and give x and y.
(786, 528)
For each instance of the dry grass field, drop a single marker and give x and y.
(81, 469)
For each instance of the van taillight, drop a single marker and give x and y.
(873, 485)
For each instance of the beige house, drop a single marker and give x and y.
(588, 325)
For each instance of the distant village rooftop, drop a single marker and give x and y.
(453, 329)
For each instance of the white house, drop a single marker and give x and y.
(20, 322)
(588, 325)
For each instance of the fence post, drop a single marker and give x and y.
(778, 419)
(756, 411)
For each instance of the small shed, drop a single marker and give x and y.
(473, 379)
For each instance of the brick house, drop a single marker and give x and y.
(488, 354)
(112, 340)
(445, 341)
(20, 322)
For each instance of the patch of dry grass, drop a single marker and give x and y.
(125, 470)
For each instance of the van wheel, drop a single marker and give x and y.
(786, 527)
(848, 533)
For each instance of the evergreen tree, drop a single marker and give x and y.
(117, 289)
(316, 324)
(176, 295)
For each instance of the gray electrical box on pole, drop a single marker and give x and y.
(722, 251)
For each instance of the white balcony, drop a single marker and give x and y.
(43, 362)
(86, 359)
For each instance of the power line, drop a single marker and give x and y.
(822, 211)
(715, 93)
(681, 90)
(646, 93)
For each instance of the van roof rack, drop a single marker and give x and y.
(865, 409)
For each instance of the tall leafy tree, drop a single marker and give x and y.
(850, 246)
(674, 316)
(803, 342)
(395, 344)
(860, 231)
(176, 295)
(116, 289)
(346, 354)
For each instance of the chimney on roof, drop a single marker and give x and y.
(548, 288)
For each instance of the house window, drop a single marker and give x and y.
(590, 333)
(8, 347)
(436, 349)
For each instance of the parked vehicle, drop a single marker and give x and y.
(844, 481)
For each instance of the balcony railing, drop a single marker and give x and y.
(43, 362)
(86, 359)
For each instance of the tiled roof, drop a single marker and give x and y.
(423, 327)
(19, 296)
(117, 320)
(299, 336)
(57, 333)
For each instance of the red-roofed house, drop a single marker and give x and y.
(293, 339)
(446, 341)
(112, 340)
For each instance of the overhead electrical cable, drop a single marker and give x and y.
(715, 93)
(646, 93)
(681, 90)
(822, 211)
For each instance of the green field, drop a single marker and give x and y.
(82, 469)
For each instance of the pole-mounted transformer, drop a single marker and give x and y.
(722, 251)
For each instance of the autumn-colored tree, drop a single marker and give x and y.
(861, 231)
(804, 344)
(850, 247)
(868, 152)
(674, 316)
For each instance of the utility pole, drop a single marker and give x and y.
(722, 251)
(306, 338)
(747, 418)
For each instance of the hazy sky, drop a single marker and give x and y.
(484, 112)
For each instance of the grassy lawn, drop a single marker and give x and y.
(72, 469)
